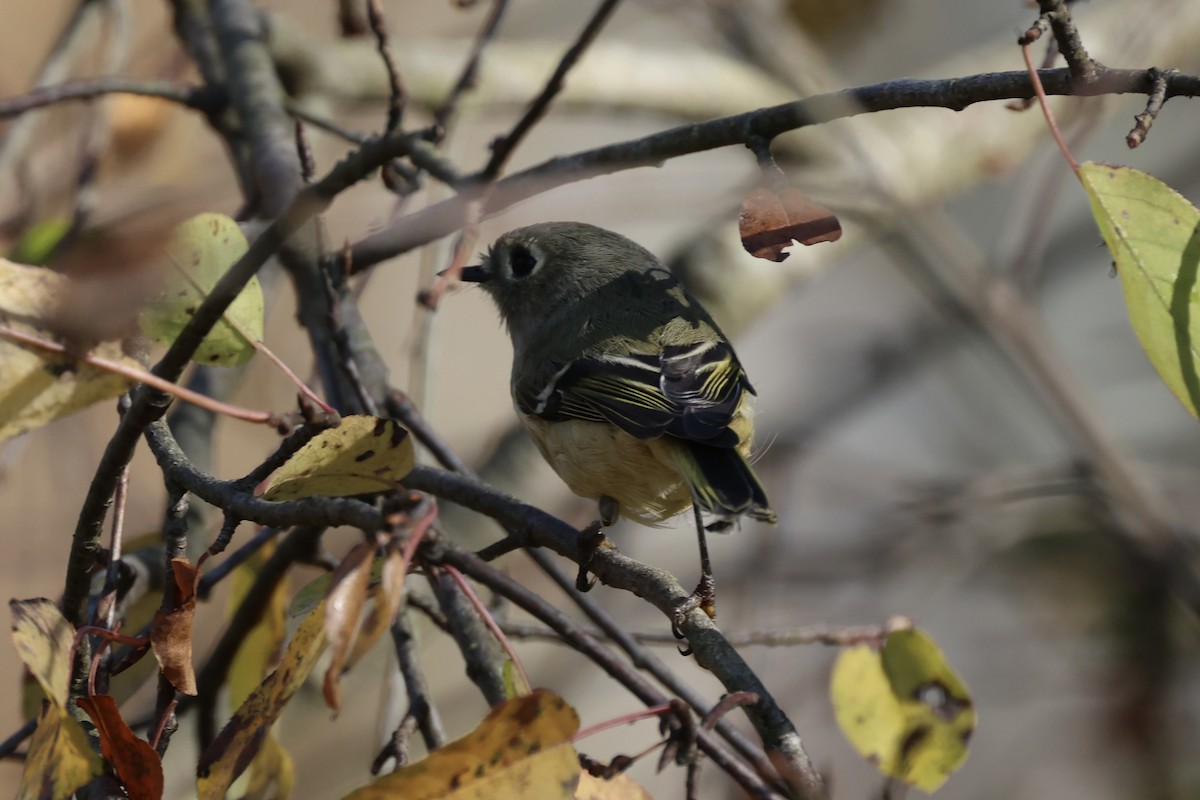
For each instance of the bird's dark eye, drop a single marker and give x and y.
(522, 261)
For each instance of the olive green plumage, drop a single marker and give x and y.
(628, 387)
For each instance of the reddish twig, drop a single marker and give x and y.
(138, 375)
(490, 621)
(1040, 93)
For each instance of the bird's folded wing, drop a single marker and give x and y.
(687, 391)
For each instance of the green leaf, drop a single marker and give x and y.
(1153, 233)
(363, 454)
(38, 243)
(200, 251)
(904, 708)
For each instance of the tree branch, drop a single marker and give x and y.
(956, 94)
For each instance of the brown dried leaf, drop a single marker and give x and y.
(133, 759)
(770, 222)
(242, 737)
(522, 749)
(171, 635)
(343, 611)
(388, 595)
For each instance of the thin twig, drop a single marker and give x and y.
(491, 623)
(832, 635)
(1158, 97)
(480, 650)
(9, 746)
(469, 76)
(139, 375)
(396, 91)
(1082, 66)
(108, 595)
(441, 550)
(420, 707)
(503, 148)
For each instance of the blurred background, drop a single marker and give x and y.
(921, 461)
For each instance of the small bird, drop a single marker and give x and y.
(627, 386)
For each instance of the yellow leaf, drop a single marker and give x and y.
(43, 639)
(201, 250)
(522, 749)
(60, 759)
(903, 708)
(260, 649)
(36, 387)
(239, 741)
(272, 767)
(1153, 234)
(363, 454)
(620, 787)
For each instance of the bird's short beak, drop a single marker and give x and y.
(475, 274)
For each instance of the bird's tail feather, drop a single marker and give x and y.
(722, 483)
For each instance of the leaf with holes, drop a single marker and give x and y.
(362, 454)
(199, 253)
(771, 221)
(1153, 234)
(904, 708)
(521, 750)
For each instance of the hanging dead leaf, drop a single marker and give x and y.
(522, 749)
(171, 634)
(388, 595)
(60, 759)
(362, 454)
(343, 611)
(132, 758)
(43, 639)
(772, 221)
(242, 737)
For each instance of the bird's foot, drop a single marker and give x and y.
(589, 539)
(704, 598)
